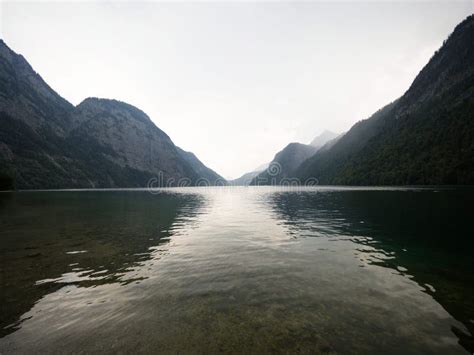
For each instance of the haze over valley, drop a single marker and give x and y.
(253, 77)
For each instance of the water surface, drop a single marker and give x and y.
(320, 270)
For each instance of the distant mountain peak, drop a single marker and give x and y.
(287, 160)
(323, 138)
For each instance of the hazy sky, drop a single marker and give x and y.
(233, 82)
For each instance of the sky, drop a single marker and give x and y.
(233, 82)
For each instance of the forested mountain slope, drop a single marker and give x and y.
(46, 142)
(425, 137)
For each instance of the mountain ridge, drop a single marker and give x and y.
(46, 142)
(284, 164)
(323, 138)
(424, 137)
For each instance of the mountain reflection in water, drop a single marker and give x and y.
(237, 270)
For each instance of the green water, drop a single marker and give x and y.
(206, 270)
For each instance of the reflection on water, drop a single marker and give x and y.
(423, 234)
(237, 270)
(50, 240)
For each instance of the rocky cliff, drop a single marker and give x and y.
(46, 142)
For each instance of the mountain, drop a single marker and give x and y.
(262, 167)
(207, 176)
(323, 138)
(247, 178)
(46, 142)
(287, 160)
(284, 164)
(424, 137)
(331, 143)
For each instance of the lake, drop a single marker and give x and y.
(238, 269)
